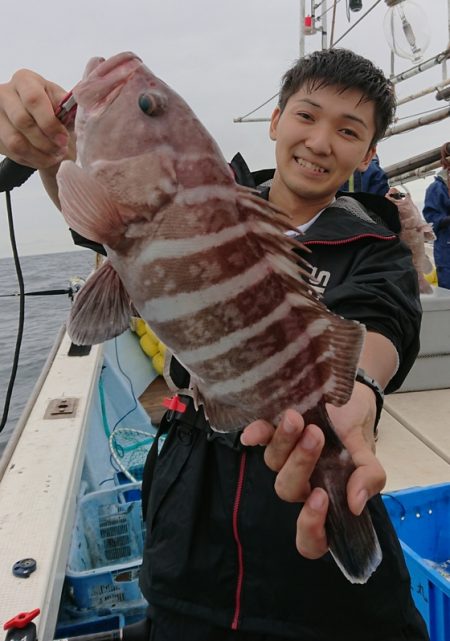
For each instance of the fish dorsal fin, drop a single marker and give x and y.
(340, 344)
(270, 226)
(102, 308)
(87, 206)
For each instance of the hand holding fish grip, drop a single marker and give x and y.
(13, 175)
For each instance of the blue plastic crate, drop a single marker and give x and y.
(421, 517)
(95, 625)
(106, 550)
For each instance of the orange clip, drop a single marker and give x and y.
(175, 404)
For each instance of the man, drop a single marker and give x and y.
(228, 556)
(436, 211)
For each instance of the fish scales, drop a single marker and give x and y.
(209, 266)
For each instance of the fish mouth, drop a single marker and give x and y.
(103, 80)
(103, 67)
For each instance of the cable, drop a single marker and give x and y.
(131, 387)
(21, 312)
(420, 113)
(358, 21)
(263, 104)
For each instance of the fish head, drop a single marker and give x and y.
(125, 110)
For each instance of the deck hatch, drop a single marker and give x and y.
(61, 408)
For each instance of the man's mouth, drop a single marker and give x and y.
(310, 165)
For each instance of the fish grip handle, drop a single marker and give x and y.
(13, 175)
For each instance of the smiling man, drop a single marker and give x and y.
(323, 134)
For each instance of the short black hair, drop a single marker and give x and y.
(344, 69)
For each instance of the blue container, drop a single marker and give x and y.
(421, 517)
(106, 551)
(89, 626)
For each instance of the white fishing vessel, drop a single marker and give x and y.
(70, 524)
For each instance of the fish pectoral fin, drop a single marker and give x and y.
(146, 182)
(101, 310)
(87, 206)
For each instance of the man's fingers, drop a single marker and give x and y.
(257, 433)
(368, 479)
(292, 482)
(284, 440)
(29, 126)
(311, 539)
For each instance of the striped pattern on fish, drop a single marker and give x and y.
(204, 261)
(209, 266)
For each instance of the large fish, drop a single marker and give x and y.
(414, 232)
(208, 265)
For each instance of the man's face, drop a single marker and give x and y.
(321, 136)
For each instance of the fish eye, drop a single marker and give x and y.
(152, 104)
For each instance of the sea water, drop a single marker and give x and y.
(44, 315)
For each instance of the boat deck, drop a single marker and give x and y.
(413, 446)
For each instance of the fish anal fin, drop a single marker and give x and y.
(101, 310)
(87, 207)
(224, 415)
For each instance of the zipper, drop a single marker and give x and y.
(240, 577)
(345, 241)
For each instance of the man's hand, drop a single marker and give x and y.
(293, 449)
(30, 133)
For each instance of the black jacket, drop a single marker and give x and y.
(220, 544)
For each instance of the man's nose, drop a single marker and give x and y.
(319, 140)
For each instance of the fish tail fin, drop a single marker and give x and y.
(352, 540)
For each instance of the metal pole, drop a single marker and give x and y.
(423, 66)
(415, 162)
(424, 92)
(325, 25)
(419, 122)
(302, 29)
(421, 172)
(444, 63)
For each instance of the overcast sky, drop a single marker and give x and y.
(225, 58)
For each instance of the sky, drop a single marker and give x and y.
(225, 59)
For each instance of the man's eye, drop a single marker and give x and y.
(304, 115)
(350, 132)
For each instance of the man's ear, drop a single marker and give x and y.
(274, 122)
(365, 162)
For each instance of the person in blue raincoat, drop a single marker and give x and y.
(437, 212)
(373, 180)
